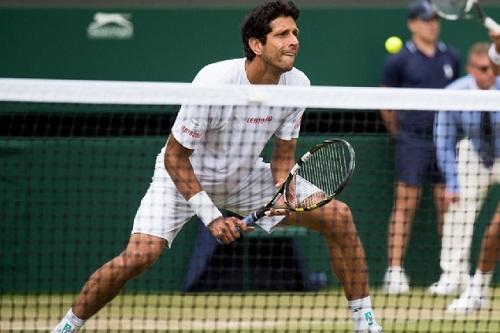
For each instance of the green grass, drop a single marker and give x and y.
(247, 312)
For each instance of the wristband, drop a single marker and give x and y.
(493, 54)
(204, 208)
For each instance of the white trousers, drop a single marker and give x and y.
(458, 228)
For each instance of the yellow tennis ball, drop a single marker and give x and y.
(393, 44)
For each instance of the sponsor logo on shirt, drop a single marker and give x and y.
(111, 26)
(448, 71)
(190, 132)
(259, 121)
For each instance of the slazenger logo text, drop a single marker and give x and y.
(111, 26)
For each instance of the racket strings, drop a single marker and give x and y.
(327, 169)
(451, 9)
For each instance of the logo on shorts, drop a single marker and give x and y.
(111, 26)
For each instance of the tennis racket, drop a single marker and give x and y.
(321, 173)
(459, 9)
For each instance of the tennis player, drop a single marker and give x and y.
(211, 160)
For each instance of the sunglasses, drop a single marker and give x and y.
(482, 69)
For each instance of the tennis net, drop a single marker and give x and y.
(78, 157)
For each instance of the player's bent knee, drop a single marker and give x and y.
(338, 219)
(339, 212)
(132, 263)
(137, 257)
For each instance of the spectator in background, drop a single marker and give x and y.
(424, 62)
(468, 176)
(476, 295)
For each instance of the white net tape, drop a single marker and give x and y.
(163, 93)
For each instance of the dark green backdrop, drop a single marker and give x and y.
(340, 45)
(67, 204)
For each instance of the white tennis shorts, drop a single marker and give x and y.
(164, 211)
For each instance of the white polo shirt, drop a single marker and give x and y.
(228, 140)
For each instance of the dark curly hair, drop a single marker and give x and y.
(257, 23)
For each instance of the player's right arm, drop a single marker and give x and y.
(178, 166)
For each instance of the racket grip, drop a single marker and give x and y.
(490, 24)
(250, 219)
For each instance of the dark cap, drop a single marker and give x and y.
(420, 9)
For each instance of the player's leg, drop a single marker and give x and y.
(335, 222)
(105, 283)
(160, 217)
(476, 295)
(102, 286)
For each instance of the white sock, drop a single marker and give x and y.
(361, 312)
(361, 303)
(73, 319)
(398, 269)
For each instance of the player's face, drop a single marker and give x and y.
(282, 44)
(426, 30)
(480, 68)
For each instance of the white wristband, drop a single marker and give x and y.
(493, 54)
(204, 208)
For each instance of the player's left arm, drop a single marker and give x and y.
(282, 158)
(282, 161)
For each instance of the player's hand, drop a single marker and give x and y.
(227, 229)
(449, 198)
(280, 207)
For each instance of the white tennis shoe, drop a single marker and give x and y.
(449, 286)
(396, 281)
(470, 300)
(376, 328)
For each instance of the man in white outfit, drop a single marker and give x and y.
(476, 295)
(211, 160)
(468, 177)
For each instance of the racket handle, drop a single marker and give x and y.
(490, 24)
(250, 219)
